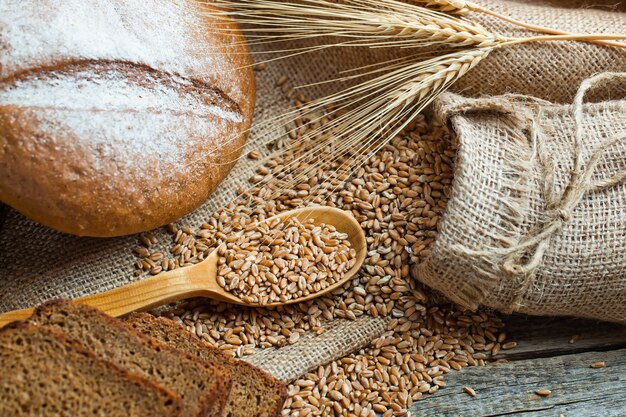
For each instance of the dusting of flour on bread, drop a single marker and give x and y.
(120, 115)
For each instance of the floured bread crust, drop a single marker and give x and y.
(117, 117)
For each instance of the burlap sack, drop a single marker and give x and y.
(537, 218)
(37, 263)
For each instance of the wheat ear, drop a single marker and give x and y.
(370, 114)
(380, 23)
(439, 77)
(461, 7)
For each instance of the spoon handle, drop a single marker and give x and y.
(150, 292)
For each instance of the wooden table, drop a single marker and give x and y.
(543, 359)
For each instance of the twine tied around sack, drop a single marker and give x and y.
(521, 260)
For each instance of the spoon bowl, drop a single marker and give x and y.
(344, 222)
(200, 280)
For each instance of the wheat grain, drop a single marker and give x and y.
(509, 345)
(543, 392)
(470, 391)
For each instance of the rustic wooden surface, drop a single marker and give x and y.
(543, 359)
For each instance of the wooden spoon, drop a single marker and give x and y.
(200, 280)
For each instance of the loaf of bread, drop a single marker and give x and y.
(46, 374)
(254, 392)
(118, 116)
(203, 387)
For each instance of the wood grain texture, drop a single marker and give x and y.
(539, 337)
(508, 389)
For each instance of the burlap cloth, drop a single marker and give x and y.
(37, 263)
(551, 72)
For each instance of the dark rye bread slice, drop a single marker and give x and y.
(46, 374)
(202, 386)
(254, 392)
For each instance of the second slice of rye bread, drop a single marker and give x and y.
(202, 386)
(254, 393)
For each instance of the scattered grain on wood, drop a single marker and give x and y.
(509, 345)
(543, 392)
(470, 391)
(597, 365)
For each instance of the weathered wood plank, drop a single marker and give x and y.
(509, 389)
(539, 337)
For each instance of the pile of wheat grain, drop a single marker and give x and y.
(398, 196)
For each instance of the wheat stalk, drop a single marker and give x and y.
(369, 113)
(372, 112)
